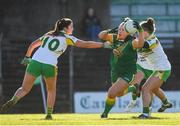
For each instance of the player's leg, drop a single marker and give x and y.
(142, 74)
(132, 89)
(50, 73)
(32, 72)
(51, 95)
(133, 102)
(147, 93)
(165, 103)
(20, 93)
(117, 89)
(153, 83)
(159, 92)
(139, 76)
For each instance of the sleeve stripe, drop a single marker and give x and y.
(70, 41)
(154, 45)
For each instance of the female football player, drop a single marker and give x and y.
(44, 61)
(144, 71)
(148, 64)
(123, 66)
(152, 51)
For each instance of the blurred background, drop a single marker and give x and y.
(80, 70)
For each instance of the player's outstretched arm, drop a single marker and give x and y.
(89, 44)
(73, 41)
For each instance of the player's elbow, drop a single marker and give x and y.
(100, 35)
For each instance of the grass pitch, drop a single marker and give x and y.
(121, 119)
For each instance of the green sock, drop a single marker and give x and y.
(134, 96)
(146, 110)
(15, 99)
(131, 89)
(165, 101)
(109, 104)
(49, 111)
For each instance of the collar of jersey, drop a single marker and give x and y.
(62, 32)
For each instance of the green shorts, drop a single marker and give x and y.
(36, 69)
(127, 77)
(147, 73)
(163, 75)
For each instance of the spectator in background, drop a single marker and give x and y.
(91, 25)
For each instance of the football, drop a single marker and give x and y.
(129, 27)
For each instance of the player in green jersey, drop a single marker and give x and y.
(123, 65)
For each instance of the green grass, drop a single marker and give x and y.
(121, 119)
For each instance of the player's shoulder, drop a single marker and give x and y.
(152, 40)
(73, 38)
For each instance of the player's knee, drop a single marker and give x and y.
(111, 94)
(51, 94)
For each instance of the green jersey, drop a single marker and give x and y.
(123, 66)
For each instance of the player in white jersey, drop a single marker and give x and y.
(153, 53)
(144, 71)
(51, 46)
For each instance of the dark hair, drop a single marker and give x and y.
(60, 25)
(148, 25)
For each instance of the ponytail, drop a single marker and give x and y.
(59, 26)
(148, 25)
(150, 21)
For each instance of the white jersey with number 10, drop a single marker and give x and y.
(52, 47)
